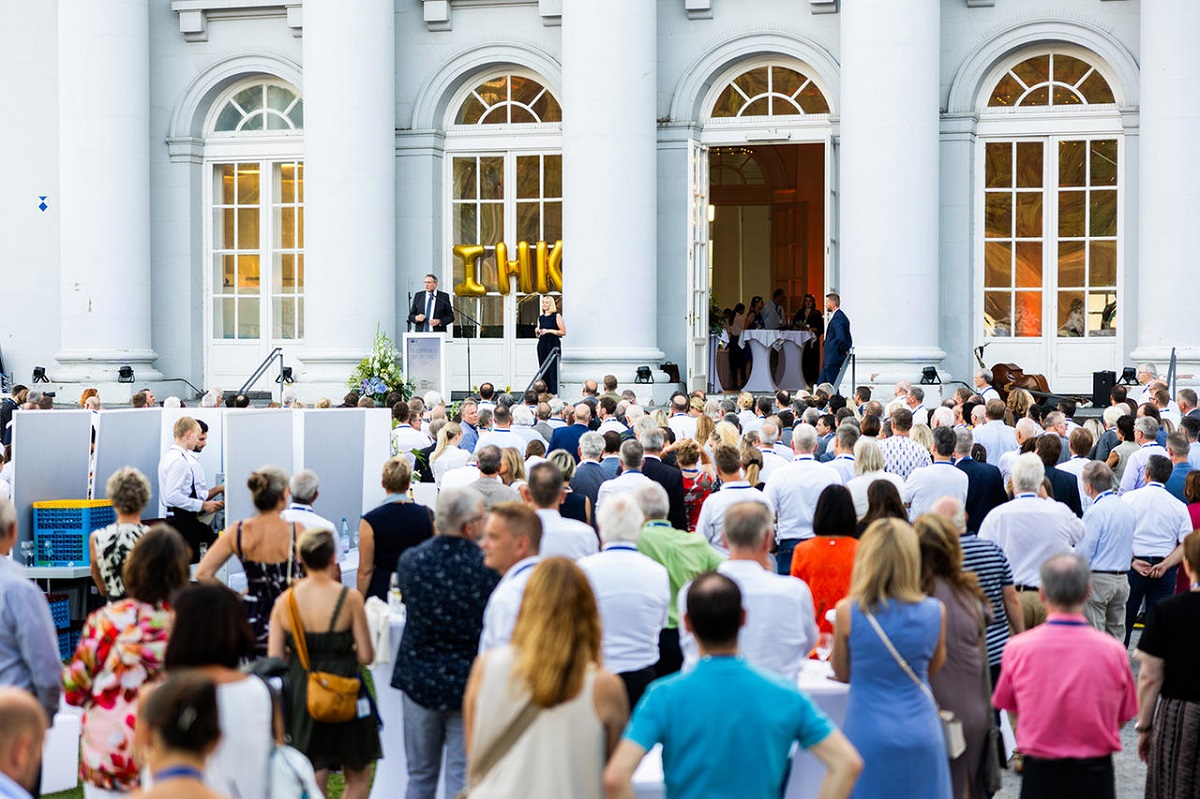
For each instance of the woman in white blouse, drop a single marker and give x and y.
(448, 454)
(868, 466)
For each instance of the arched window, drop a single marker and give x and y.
(1051, 79)
(508, 100)
(254, 152)
(770, 91)
(1051, 195)
(261, 106)
(735, 166)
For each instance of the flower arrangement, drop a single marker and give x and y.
(379, 373)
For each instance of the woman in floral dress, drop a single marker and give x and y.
(122, 649)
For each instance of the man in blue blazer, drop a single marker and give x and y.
(985, 483)
(837, 339)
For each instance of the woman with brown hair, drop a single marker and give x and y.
(129, 491)
(963, 685)
(698, 482)
(122, 649)
(338, 642)
(883, 502)
(265, 544)
(178, 729)
(551, 674)
(752, 463)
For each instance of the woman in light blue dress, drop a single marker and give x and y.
(889, 718)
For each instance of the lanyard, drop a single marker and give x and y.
(178, 771)
(526, 567)
(624, 547)
(1068, 623)
(1027, 494)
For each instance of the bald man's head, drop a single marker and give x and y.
(953, 510)
(22, 729)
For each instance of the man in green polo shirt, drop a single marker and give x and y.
(683, 554)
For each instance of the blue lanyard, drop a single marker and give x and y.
(178, 771)
(1099, 497)
(1027, 494)
(625, 547)
(526, 567)
(1068, 623)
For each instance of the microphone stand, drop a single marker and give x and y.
(478, 331)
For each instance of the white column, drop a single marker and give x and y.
(888, 271)
(350, 183)
(610, 220)
(104, 190)
(1169, 173)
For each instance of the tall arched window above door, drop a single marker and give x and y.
(504, 186)
(254, 149)
(1052, 174)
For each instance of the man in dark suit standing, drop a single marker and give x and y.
(568, 437)
(431, 311)
(667, 476)
(1064, 484)
(590, 474)
(837, 339)
(985, 483)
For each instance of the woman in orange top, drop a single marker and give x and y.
(825, 561)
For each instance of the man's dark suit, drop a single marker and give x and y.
(587, 480)
(985, 490)
(568, 438)
(670, 478)
(837, 346)
(442, 310)
(1066, 489)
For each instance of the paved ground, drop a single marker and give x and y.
(1130, 772)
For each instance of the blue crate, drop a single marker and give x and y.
(68, 642)
(60, 610)
(61, 530)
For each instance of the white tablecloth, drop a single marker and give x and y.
(790, 344)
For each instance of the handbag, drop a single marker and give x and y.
(992, 778)
(956, 741)
(497, 748)
(332, 698)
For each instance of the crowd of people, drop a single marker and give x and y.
(597, 578)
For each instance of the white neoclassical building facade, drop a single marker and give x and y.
(193, 183)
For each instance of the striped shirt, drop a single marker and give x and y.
(987, 562)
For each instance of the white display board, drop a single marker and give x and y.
(377, 448)
(51, 460)
(424, 359)
(333, 447)
(128, 437)
(253, 438)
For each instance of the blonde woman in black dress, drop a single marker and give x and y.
(550, 330)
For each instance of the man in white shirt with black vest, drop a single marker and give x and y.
(179, 490)
(781, 624)
(633, 595)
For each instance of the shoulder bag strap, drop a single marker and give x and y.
(240, 552)
(338, 607)
(500, 746)
(912, 675)
(291, 552)
(298, 638)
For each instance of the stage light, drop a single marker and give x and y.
(643, 375)
(286, 376)
(1129, 376)
(39, 375)
(929, 376)
(125, 374)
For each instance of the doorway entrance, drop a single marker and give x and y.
(768, 209)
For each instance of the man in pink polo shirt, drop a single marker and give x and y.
(1068, 689)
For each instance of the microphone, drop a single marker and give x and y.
(409, 321)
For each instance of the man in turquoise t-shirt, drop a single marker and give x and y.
(701, 718)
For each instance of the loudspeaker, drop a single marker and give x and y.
(1102, 386)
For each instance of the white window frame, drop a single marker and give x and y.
(267, 149)
(1049, 125)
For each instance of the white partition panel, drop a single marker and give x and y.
(129, 437)
(377, 448)
(253, 438)
(52, 453)
(333, 448)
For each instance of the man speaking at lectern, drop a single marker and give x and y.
(431, 311)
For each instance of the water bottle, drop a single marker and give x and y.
(395, 601)
(345, 536)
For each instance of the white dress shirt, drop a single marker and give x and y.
(859, 485)
(612, 425)
(930, 483)
(794, 491)
(844, 465)
(1162, 520)
(450, 458)
(1030, 530)
(1135, 468)
(566, 537)
(176, 481)
(406, 438)
(781, 625)
(624, 483)
(711, 522)
(633, 594)
(500, 615)
(528, 434)
(771, 464)
(308, 519)
(1107, 544)
(783, 451)
(997, 438)
(461, 477)
(9, 789)
(920, 415)
(502, 437)
(683, 425)
(988, 394)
